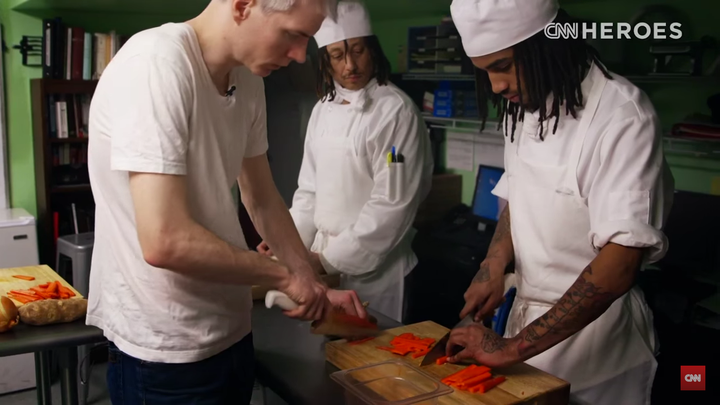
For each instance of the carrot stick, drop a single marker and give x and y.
(69, 292)
(442, 360)
(458, 376)
(420, 353)
(352, 343)
(27, 278)
(471, 382)
(52, 288)
(474, 373)
(487, 385)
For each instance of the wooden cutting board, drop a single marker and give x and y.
(525, 384)
(42, 274)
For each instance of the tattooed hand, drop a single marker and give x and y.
(482, 345)
(485, 292)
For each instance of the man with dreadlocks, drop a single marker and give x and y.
(354, 209)
(588, 192)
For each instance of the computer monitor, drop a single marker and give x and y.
(486, 206)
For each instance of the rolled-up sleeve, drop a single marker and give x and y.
(501, 188)
(631, 193)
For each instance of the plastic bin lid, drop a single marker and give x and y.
(393, 382)
(15, 217)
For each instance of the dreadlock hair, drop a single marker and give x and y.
(325, 85)
(546, 66)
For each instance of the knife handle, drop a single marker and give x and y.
(274, 297)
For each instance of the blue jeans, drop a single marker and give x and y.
(224, 379)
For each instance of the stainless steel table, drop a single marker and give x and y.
(291, 361)
(64, 339)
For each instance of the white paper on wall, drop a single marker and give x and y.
(460, 148)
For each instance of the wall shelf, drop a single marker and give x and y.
(638, 79)
(379, 9)
(436, 77)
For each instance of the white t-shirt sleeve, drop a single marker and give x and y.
(257, 143)
(149, 117)
(628, 197)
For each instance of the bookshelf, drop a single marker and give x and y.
(60, 141)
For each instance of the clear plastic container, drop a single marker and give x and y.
(393, 382)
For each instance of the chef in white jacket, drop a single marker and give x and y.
(588, 191)
(354, 209)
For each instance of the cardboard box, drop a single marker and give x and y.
(445, 194)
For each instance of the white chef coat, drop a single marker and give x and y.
(344, 208)
(600, 178)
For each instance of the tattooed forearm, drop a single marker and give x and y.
(580, 305)
(502, 230)
(483, 274)
(493, 342)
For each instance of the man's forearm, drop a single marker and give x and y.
(275, 224)
(604, 280)
(500, 249)
(192, 250)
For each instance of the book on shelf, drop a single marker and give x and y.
(68, 115)
(71, 53)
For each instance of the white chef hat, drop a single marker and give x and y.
(352, 21)
(488, 26)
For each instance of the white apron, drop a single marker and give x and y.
(343, 186)
(611, 361)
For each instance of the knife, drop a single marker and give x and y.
(336, 323)
(438, 350)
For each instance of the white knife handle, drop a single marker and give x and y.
(278, 298)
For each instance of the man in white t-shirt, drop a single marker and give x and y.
(177, 117)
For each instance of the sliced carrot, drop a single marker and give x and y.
(43, 286)
(476, 371)
(442, 360)
(411, 342)
(65, 290)
(52, 288)
(471, 382)
(458, 376)
(487, 385)
(352, 343)
(27, 278)
(420, 353)
(402, 351)
(22, 299)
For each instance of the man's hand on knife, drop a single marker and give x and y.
(482, 345)
(348, 301)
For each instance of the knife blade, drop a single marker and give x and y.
(438, 350)
(336, 322)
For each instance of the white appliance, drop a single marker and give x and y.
(18, 247)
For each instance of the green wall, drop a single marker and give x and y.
(673, 101)
(17, 80)
(19, 118)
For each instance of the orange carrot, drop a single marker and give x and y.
(420, 353)
(352, 343)
(458, 376)
(442, 360)
(487, 385)
(65, 290)
(476, 371)
(471, 382)
(27, 278)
